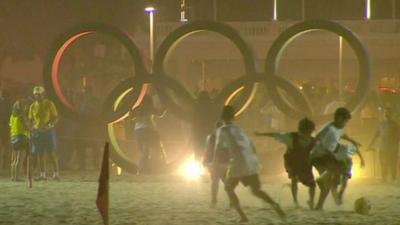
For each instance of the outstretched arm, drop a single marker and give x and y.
(268, 134)
(351, 140)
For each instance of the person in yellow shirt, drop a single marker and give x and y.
(43, 116)
(19, 134)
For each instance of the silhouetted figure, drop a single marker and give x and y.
(389, 133)
(86, 141)
(204, 118)
(5, 112)
(152, 155)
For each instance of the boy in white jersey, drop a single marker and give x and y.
(322, 155)
(344, 155)
(243, 166)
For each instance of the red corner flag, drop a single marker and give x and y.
(102, 192)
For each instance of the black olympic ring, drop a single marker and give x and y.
(189, 29)
(292, 32)
(128, 93)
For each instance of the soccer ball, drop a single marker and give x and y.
(362, 206)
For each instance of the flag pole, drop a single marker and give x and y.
(103, 189)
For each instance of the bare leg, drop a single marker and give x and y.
(334, 188)
(17, 164)
(13, 172)
(324, 183)
(294, 191)
(29, 168)
(54, 160)
(42, 165)
(214, 188)
(256, 190)
(342, 188)
(230, 190)
(311, 193)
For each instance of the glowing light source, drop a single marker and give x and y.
(367, 9)
(275, 13)
(357, 171)
(149, 9)
(191, 169)
(119, 171)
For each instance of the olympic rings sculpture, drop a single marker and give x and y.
(129, 93)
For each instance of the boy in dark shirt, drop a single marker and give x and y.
(296, 158)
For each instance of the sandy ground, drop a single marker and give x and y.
(166, 200)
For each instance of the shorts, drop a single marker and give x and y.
(326, 162)
(300, 170)
(252, 181)
(20, 142)
(44, 141)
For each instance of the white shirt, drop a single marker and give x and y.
(232, 140)
(327, 140)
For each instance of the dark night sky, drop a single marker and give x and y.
(29, 27)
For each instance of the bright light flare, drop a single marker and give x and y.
(191, 169)
(357, 171)
(119, 171)
(367, 9)
(149, 9)
(275, 12)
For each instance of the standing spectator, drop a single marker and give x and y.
(87, 133)
(152, 154)
(389, 134)
(5, 112)
(43, 116)
(19, 134)
(203, 120)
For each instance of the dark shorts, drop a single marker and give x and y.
(44, 141)
(20, 142)
(301, 170)
(326, 162)
(252, 181)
